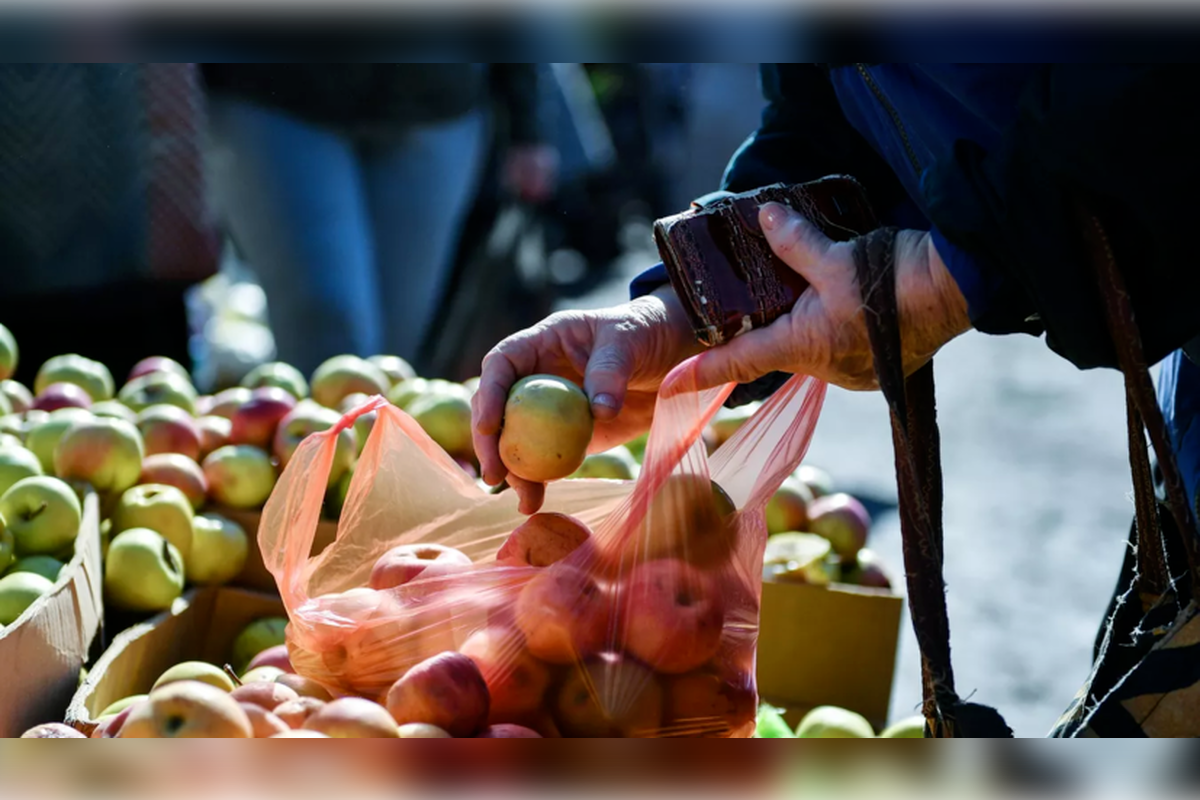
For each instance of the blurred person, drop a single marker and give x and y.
(346, 186)
(103, 219)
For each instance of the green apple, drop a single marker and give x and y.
(18, 592)
(43, 514)
(196, 671)
(637, 447)
(818, 481)
(120, 705)
(446, 417)
(8, 440)
(17, 463)
(159, 388)
(910, 728)
(19, 398)
(44, 434)
(306, 419)
(403, 393)
(103, 451)
(256, 637)
(239, 475)
(345, 375)
(91, 376)
(219, 550)
(6, 407)
(13, 425)
(277, 373)
(831, 722)
(787, 509)
(771, 725)
(395, 367)
(46, 566)
(161, 508)
(9, 355)
(616, 464)
(8, 546)
(728, 421)
(143, 572)
(114, 408)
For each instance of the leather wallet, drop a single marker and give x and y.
(722, 267)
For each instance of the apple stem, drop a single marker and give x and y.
(233, 675)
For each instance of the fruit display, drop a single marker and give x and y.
(831, 722)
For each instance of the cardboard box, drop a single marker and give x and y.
(832, 645)
(200, 627)
(42, 653)
(255, 575)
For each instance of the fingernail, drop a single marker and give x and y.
(606, 400)
(772, 216)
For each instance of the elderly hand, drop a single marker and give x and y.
(825, 334)
(619, 355)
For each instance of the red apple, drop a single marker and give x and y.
(214, 433)
(691, 518)
(62, 395)
(564, 615)
(52, 730)
(405, 563)
(265, 694)
(295, 713)
(867, 570)
(276, 656)
(516, 680)
(175, 469)
(110, 727)
(157, 364)
(505, 731)
(544, 539)
(673, 616)
(105, 452)
(447, 691)
(239, 475)
(788, 508)
(702, 705)
(842, 520)
(254, 423)
(225, 403)
(610, 697)
(204, 404)
(169, 429)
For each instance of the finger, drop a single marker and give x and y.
(532, 494)
(797, 242)
(499, 372)
(606, 379)
(744, 359)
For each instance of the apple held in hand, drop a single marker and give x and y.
(62, 395)
(673, 616)
(179, 471)
(547, 428)
(842, 520)
(545, 539)
(219, 550)
(408, 562)
(345, 375)
(43, 515)
(169, 429)
(91, 376)
(447, 691)
(144, 572)
(17, 463)
(18, 592)
(159, 388)
(564, 615)
(255, 421)
(239, 476)
(188, 710)
(8, 353)
(163, 509)
(280, 375)
(105, 452)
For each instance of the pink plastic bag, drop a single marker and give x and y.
(647, 630)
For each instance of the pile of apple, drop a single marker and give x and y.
(832, 722)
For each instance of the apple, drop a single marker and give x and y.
(446, 417)
(8, 353)
(91, 376)
(353, 718)
(225, 403)
(516, 680)
(14, 425)
(255, 421)
(407, 562)
(345, 375)
(8, 547)
(300, 734)
(43, 515)
(114, 408)
(564, 615)
(610, 697)
(5, 405)
(280, 375)
(547, 428)
(159, 388)
(219, 550)
(18, 592)
(188, 710)
(507, 731)
(842, 520)
(394, 367)
(263, 724)
(169, 429)
(214, 432)
(105, 452)
(306, 419)
(908, 728)
(195, 671)
(8, 440)
(419, 730)
(239, 476)
(110, 727)
(273, 656)
(46, 566)
(729, 421)
(264, 694)
(143, 572)
(703, 705)
(471, 385)
(307, 688)
(17, 463)
(163, 509)
(295, 713)
(446, 690)
(52, 730)
(262, 675)
(154, 364)
(117, 706)
(179, 471)
(544, 539)
(62, 395)
(830, 722)
(19, 398)
(787, 509)
(673, 616)
(797, 558)
(616, 464)
(405, 392)
(867, 570)
(690, 517)
(256, 637)
(204, 404)
(818, 481)
(44, 433)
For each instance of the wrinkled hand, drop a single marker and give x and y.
(619, 355)
(825, 334)
(531, 172)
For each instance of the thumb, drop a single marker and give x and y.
(606, 378)
(797, 242)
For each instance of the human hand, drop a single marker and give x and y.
(619, 355)
(531, 171)
(825, 334)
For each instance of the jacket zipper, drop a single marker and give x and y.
(895, 115)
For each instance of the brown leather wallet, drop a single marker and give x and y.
(722, 267)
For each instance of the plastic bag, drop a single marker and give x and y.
(648, 630)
